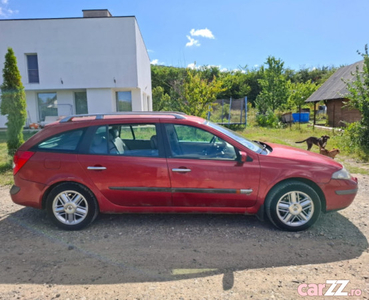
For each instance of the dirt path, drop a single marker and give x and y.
(180, 256)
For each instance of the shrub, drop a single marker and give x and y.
(269, 119)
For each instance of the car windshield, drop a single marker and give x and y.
(237, 137)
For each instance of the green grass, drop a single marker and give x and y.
(5, 162)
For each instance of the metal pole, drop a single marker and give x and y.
(334, 115)
(222, 109)
(246, 111)
(241, 111)
(291, 119)
(229, 114)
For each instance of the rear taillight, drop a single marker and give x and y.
(20, 158)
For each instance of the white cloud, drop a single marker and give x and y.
(206, 33)
(156, 62)
(192, 66)
(213, 66)
(239, 70)
(6, 12)
(192, 42)
(150, 51)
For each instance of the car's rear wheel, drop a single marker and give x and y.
(293, 206)
(71, 206)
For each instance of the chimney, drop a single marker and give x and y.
(96, 13)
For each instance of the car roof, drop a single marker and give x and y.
(124, 115)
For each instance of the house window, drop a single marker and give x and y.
(80, 99)
(47, 105)
(32, 65)
(124, 101)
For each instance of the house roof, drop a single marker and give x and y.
(334, 87)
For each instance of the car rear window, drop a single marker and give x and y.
(66, 141)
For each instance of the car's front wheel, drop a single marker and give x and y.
(71, 206)
(293, 206)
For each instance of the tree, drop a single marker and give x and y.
(235, 85)
(161, 100)
(274, 90)
(358, 90)
(197, 94)
(166, 76)
(13, 102)
(299, 92)
(252, 80)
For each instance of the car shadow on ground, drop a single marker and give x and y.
(152, 248)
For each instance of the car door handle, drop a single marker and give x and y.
(181, 170)
(246, 191)
(96, 168)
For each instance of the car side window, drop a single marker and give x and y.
(133, 140)
(192, 134)
(192, 142)
(99, 141)
(64, 142)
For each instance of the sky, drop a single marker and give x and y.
(229, 34)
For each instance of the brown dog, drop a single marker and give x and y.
(320, 142)
(328, 153)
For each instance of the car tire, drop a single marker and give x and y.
(293, 206)
(71, 206)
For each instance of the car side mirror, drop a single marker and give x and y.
(243, 157)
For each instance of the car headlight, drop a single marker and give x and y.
(341, 174)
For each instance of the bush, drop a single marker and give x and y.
(269, 119)
(354, 138)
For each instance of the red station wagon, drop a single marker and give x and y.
(171, 163)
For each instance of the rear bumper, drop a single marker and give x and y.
(27, 193)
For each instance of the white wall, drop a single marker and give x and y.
(99, 55)
(100, 101)
(136, 100)
(81, 52)
(32, 106)
(143, 67)
(66, 105)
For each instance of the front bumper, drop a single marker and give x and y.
(340, 193)
(347, 192)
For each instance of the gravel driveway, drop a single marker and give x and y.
(180, 256)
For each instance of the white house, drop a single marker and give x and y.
(93, 64)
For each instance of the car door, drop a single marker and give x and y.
(205, 170)
(127, 176)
